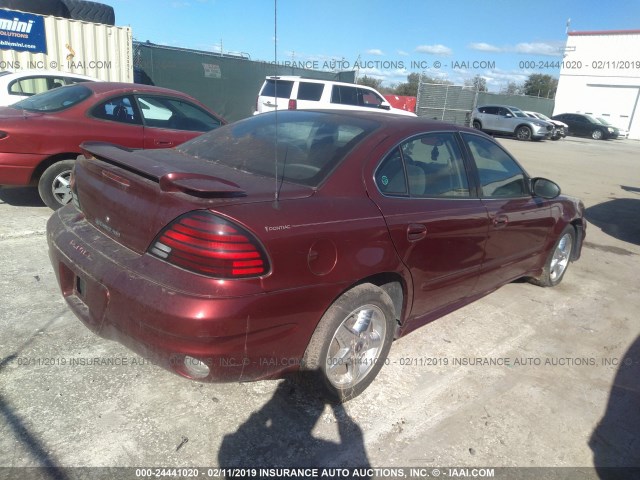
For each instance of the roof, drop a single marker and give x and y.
(604, 32)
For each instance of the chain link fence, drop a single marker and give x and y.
(455, 103)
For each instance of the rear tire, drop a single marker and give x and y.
(477, 125)
(558, 261)
(53, 185)
(351, 342)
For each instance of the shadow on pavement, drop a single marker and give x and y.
(21, 196)
(280, 433)
(615, 442)
(618, 218)
(49, 468)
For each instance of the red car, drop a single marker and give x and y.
(301, 240)
(40, 136)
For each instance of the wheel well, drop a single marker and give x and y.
(394, 286)
(578, 226)
(476, 120)
(37, 173)
(523, 125)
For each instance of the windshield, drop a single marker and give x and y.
(542, 116)
(518, 113)
(54, 100)
(603, 121)
(308, 146)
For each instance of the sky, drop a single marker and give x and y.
(502, 41)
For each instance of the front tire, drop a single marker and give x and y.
(597, 134)
(523, 133)
(53, 185)
(558, 261)
(351, 342)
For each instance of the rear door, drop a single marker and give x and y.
(275, 94)
(437, 226)
(309, 95)
(170, 121)
(488, 117)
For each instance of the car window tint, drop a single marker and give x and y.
(55, 100)
(29, 86)
(73, 81)
(500, 175)
(344, 95)
(390, 175)
(310, 91)
(175, 114)
(118, 109)
(307, 145)
(277, 88)
(367, 98)
(435, 167)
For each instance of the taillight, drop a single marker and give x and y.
(293, 104)
(204, 243)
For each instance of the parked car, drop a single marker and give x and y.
(560, 129)
(297, 93)
(40, 136)
(585, 125)
(506, 120)
(302, 240)
(16, 86)
(620, 132)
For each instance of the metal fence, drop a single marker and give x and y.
(229, 84)
(455, 103)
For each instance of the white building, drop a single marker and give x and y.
(600, 75)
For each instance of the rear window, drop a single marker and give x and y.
(55, 100)
(304, 146)
(310, 91)
(277, 88)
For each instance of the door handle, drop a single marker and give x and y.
(500, 221)
(416, 231)
(164, 143)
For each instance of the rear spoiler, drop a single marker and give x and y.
(187, 177)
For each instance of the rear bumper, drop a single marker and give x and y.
(240, 338)
(18, 168)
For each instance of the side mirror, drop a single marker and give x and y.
(385, 106)
(544, 188)
(508, 115)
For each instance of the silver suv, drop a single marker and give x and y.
(507, 120)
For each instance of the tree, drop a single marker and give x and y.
(478, 83)
(512, 88)
(540, 85)
(410, 88)
(370, 82)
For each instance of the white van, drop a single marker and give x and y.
(16, 86)
(299, 93)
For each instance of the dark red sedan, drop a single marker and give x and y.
(40, 136)
(301, 240)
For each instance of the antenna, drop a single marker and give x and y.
(275, 58)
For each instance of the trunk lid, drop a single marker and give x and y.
(131, 195)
